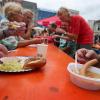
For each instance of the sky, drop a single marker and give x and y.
(89, 9)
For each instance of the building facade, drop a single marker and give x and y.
(95, 25)
(5, 1)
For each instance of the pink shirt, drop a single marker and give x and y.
(81, 28)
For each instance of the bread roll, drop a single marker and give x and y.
(35, 63)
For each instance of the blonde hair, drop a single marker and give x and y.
(28, 12)
(63, 10)
(25, 11)
(11, 8)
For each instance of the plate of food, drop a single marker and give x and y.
(20, 64)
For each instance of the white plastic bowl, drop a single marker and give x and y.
(82, 81)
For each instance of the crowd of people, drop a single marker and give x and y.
(18, 30)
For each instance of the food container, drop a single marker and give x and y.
(83, 81)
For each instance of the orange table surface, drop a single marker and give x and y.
(50, 83)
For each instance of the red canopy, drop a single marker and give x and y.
(47, 21)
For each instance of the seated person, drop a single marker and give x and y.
(28, 19)
(13, 12)
(52, 31)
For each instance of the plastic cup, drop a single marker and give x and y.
(42, 49)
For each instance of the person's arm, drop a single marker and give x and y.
(27, 35)
(66, 38)
(62, 37)
(70, 35)
(28, 42)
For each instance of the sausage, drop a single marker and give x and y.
(87, 65)
(34, 63)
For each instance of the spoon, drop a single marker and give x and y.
(76, 68)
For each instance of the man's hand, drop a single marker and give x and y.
(38, 40)
(55, 36)
(85, 55)
(59, 30)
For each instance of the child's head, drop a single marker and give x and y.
(52, 27)
(13, 11)
(28, 15)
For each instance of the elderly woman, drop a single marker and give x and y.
(76, 28)
(13, 12)
(28, 19)
(5, 25)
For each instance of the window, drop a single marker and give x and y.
(97, 27)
